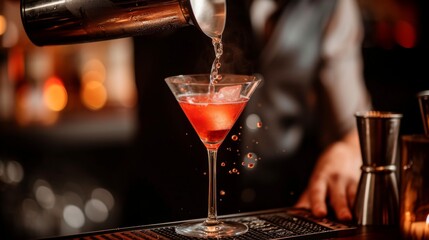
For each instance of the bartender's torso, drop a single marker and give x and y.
(286, 144)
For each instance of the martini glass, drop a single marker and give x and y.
(212, 110)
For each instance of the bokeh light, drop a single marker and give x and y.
(92, 76)
(55, 94)
(3, 25)
(405, 34)
(253, 121)
(93, 91)
(73, 216)
(14, 172)
(11, 172)
(93, 70)
(105, 196)
(11, 38)
(96, 210)
(94, 95)
(45, 197)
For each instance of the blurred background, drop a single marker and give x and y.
(68, 119)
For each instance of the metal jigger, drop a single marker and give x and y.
(424, 109)
(377, 198)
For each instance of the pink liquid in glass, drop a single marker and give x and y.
(212, 119)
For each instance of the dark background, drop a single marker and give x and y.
(395, 70)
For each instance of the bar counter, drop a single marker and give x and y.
(287, 223)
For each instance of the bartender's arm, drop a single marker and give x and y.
(335, 177)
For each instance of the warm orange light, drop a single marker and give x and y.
(93, 75)
(94, 95)
(3, 25)
(405, 34)
(94, 69)
(54, 94)
(16, 64)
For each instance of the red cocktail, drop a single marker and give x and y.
(212, 109)
(211, 118)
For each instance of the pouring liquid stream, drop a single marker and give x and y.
(215, 77)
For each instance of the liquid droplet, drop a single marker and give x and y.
(259, 124)
(250, 165)
(222, 192)
(234, 137)
(223, 164)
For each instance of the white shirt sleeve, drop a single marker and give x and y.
(342, 75)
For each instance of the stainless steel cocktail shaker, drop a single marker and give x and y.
(53, 22)
(377, 198)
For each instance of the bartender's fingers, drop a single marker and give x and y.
(303, 201)
(351, 193)
(318, 190)
(314, 198)
(339, 200)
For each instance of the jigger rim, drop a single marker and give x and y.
(378, 114)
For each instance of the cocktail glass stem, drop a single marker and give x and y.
(212, 200)
(212, 114)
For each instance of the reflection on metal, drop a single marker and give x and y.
(377, 198)
(75, 21)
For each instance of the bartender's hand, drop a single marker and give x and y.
(334, 179)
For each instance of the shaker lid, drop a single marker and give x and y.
(209, 16)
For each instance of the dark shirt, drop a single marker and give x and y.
(293, 104)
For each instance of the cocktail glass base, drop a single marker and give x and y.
(218, 230)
